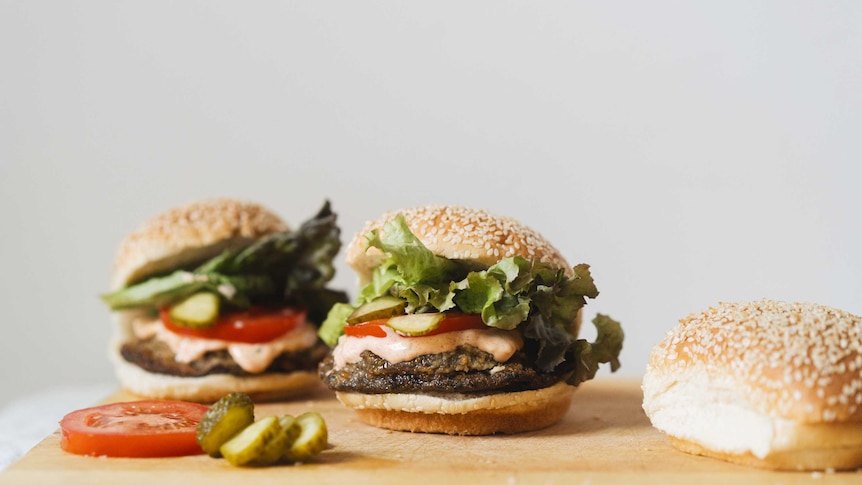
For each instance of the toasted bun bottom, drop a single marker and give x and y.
(800, 460)
(512, 412)
(710, 416)
(265, 387)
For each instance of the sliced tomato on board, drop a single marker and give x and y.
(252, 326)
(452, 323)
(149, 428)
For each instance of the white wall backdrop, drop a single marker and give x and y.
(691, 152)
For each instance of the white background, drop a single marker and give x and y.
(691, 152)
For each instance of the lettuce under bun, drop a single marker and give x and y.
(455, 233)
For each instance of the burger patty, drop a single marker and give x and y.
(464, 370)
(155, 356)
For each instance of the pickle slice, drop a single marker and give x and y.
(383, 307)
(312, 439)
(291, 428)
(197, 311)
(223, 420)
(415, 324)
(249, 447)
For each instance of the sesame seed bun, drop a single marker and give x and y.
(190, 234)
(457, 232)
(765, 383)
(511, 412)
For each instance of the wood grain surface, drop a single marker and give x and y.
(604, 438)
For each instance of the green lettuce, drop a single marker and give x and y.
(606, 349)
(544, 301)
(333, 326)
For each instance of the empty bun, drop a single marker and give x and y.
(457, 232)
(188, 235)
(512, 412)
(765, 383)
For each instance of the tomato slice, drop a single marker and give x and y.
(252, 326)
(133, 429)
(373, 328)
(452, 323)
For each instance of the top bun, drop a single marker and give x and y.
(188, 235)
(798, 361)
(457, 232)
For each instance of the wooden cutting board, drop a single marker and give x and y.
(605, 438)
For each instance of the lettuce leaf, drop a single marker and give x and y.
(606, 349)
(414, 261)
(490, 294)
(333, 326)
(543, 300)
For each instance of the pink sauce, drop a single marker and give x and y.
(502, 344)
(251, 357)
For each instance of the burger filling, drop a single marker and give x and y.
(242, 312)
(156, 356)
(412, 295)
(465, 370)
(157, 349)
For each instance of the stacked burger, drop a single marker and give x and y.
(220, 296)
(466, 323)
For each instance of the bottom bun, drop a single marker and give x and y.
(264, 387)
(511, 412)
(825, 458)
(711, 416)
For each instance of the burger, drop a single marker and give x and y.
(219, 296)
(466, 323)
(766, 383)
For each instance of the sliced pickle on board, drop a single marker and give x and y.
(224, 420)
(313, 437)
(249, 447)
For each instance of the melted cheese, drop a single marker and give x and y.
(394, 348)
(254, 358)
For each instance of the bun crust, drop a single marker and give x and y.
(207, 389)
(790, 374)
(513, 412)
(809, 459)
(458, 232)
(190, 234)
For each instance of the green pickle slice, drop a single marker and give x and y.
(223, 420)
(291, 428)
(382, 307)
(415, 324)
(312, 438)
(197, 311)
(250, 446)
